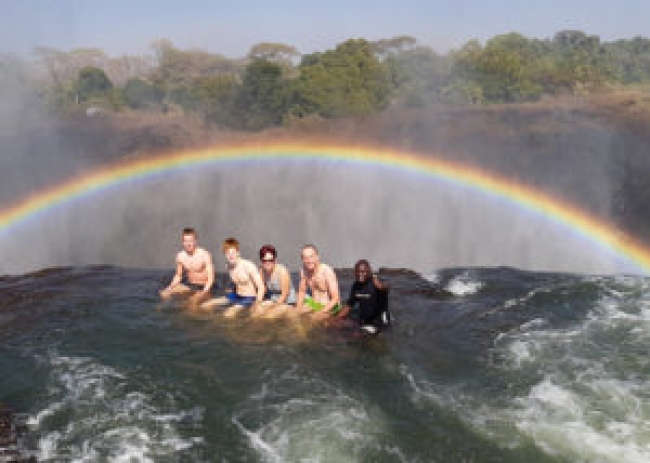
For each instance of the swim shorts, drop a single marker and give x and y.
(194, 286)
(318, 306)
(235, 298)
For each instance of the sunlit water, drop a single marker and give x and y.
(481, 365)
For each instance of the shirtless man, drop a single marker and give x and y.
(249, 287)
(194, 271)
(320, 280)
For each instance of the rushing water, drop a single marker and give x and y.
(481, 365)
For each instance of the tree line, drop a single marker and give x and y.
(275, 84)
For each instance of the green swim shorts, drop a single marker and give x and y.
(318, 306)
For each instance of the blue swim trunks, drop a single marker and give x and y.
(235, 298)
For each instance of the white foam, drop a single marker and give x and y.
(584, 427)
(423, 390)
(432, 277)
(47, 412)
(526, 298)
(464, 285)
(535, 323)
(522, 351)
(47, 445)
(588, 406)
(104, 421)
(591, 401)
(322, 431)
(321, 424)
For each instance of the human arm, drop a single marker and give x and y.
(257, 281)
(261, 272)
(285, 285)
(332, 289)
(209, 268)
(302, 290)
(344, 312)
(347, 308)
(380, 285)
(176, 280)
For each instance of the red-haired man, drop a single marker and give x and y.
(248, 285)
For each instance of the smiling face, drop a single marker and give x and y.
(362, 272)
(232, 255)
(268, 262)
(189, 243)
(310, 259)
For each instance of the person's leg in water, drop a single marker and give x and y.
(237, 304)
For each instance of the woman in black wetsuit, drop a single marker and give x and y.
(369, 297)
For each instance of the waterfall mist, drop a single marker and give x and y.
(392, 218)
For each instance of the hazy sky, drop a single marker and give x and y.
(231, 27)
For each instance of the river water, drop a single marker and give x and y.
(481, 365)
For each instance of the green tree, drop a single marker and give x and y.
(630, 59)
(178, 72)
(139, 93)
(349, 80)
(581, 60)
(418, 75)
(503, 69)
(60, 78)
(92, 82)
(217, 97)
(261, 100)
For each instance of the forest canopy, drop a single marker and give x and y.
(274, 83)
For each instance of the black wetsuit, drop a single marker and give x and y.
(372, 303)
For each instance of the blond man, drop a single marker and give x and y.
(318, 290)
(194, 270)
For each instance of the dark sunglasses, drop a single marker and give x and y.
(268, 260)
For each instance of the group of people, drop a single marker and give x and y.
(268, 290)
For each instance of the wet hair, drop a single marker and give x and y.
(360, 263)
(230, 243)
(309, 246)
(189, 231)
(268, 249)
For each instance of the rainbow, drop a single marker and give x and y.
(587, 227)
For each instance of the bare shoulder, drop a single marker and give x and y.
(248, 265)
(281, 268)
(203, 253)
(326, 270)
(180, 257)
